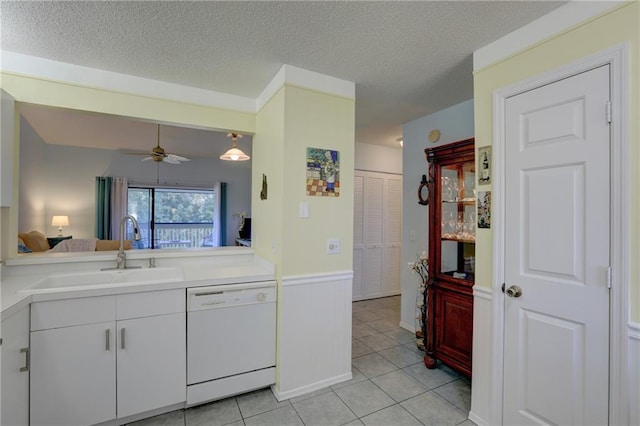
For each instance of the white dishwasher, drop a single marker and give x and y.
(231, 339)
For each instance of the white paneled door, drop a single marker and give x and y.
(556, 368)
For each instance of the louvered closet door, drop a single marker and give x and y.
(358, 234)
(374, 235)
(392, 223)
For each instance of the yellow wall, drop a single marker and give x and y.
(293, 120)
(619, 25)
(317, 120)
(65, 95)
(268, 159)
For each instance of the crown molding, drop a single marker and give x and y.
(572, 13)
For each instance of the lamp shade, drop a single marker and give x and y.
(60, 221)
(234, 154)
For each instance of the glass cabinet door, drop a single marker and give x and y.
(458, 220)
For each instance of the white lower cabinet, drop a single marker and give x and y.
(87, 371)
(151, 363)
(73, 372)
(15, 369)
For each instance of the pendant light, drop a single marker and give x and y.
(234, 154)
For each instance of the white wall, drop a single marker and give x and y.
(377, 158)
(56, 179)
(454, 123)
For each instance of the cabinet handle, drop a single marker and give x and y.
(107, 338)
(122, 343)
(27, 360)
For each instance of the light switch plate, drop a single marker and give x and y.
(304, 209)
(333, 246)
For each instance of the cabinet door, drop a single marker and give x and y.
(454, 328)
(151, 363)
(15, 379)
(73, 372)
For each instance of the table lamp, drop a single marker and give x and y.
(60, 221)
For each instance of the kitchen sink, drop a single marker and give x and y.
(147, 275)
(63, 282)
(73, 280)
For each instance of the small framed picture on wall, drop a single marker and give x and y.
(484, 164)
(484, 209)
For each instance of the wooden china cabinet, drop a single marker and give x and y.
(448, 328)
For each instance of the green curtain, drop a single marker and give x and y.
(223, 214)
(103, 208)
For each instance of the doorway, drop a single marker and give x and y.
(544, 246)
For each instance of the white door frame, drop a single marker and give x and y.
(618, 59)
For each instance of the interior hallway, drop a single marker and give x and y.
(390, 386)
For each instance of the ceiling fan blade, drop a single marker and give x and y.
(177, 157)
(169, 159)
(147, 158)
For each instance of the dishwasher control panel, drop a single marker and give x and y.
(221, 296)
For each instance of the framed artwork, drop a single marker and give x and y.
(484, 209)
(323, 172)
(484, 163)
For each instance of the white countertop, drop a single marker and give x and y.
(199, 268)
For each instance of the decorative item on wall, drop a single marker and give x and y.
(423, 191)
(484, 162)
(263, 191)
(434, 136)
(484, 209)
(323, 172)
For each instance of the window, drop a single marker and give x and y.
(173, 218)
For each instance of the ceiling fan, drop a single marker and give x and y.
(159, 155)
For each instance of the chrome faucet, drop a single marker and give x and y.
(121, 259)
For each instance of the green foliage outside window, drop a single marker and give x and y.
(172, 205)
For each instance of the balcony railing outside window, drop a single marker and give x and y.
(177, 235)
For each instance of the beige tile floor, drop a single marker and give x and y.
(390, 386)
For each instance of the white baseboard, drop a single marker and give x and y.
(281, 396)
(477, 420)
(408, 327)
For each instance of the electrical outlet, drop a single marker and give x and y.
(333, 246)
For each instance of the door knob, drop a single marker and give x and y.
(514, 291)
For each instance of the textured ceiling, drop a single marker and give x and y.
(407, 59)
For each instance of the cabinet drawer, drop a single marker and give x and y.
(150, 303)
(66, 313)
